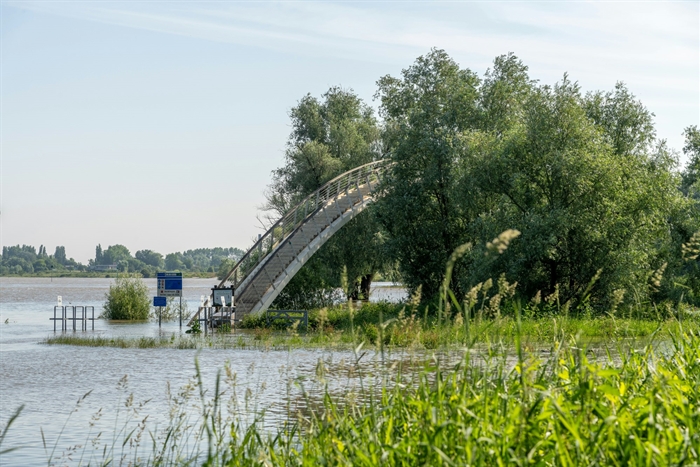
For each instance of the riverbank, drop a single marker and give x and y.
(565, 405)
(341, 377)
(384, 331)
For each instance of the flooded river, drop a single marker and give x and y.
(50, 380)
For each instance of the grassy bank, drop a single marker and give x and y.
(384, 326)
(564, 407)
(563, 410)
(172, 342)
(400, 325)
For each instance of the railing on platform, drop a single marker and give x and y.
(289, 316)
(79, 313)
(214, 316)
(283, 228)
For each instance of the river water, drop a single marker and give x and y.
(51, 381)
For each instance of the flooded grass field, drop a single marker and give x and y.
(567, 397)
(49, 380)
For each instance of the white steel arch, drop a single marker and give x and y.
(269, 265)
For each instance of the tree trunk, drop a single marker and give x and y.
(365, 285)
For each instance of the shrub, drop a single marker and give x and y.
(127, 299)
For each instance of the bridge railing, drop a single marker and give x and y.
(284, 227)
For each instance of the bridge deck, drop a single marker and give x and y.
(278, 255)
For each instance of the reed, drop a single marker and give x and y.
(397, 329)
(528, 390)
(563, 405)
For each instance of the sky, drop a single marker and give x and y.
(157, 124)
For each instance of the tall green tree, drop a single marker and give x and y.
(150, 258)
(173, 262)
(99, 258)
(426, 114)
(587, 195)
(691, 175)
(686, 267)
(582, 177)
(329, 136)
(115, 253)
(60, 254)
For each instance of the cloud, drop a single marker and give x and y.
(652, 46)
(397, 31)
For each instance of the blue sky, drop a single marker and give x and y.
(157, 124)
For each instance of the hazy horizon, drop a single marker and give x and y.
(156, 125)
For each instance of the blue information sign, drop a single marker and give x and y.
(169, 284)
(160, 301)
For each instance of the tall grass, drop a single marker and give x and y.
(397, 329)
(408, 326)
(505, 403)
(562, 410)
(565, 406)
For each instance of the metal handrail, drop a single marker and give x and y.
(284, 227)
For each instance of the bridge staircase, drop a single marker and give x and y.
(263, 271)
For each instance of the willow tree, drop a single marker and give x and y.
(686, 268)
(583, 177)
(691, 174)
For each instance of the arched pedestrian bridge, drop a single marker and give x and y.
(269, 265)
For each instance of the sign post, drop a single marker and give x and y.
(160, 302)
(170, 285)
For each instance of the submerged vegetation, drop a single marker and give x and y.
(394, 326)
(563, 405)
(127, 299)
(176, 342)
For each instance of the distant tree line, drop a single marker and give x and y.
(25, 259)
(148, 262)
(605, 212)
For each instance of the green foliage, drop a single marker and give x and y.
(565, 410)
(39, 265)
(691, 176)
(196, 328)
(581, 177)
(150, 257)
(127, 299)
(328, 138)
(310, 288)
(26, 260)
(173, 262)
(148, 262)
(566, 406)
(115, 253)
(426, 113)
(60, 254)
(225, 267)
